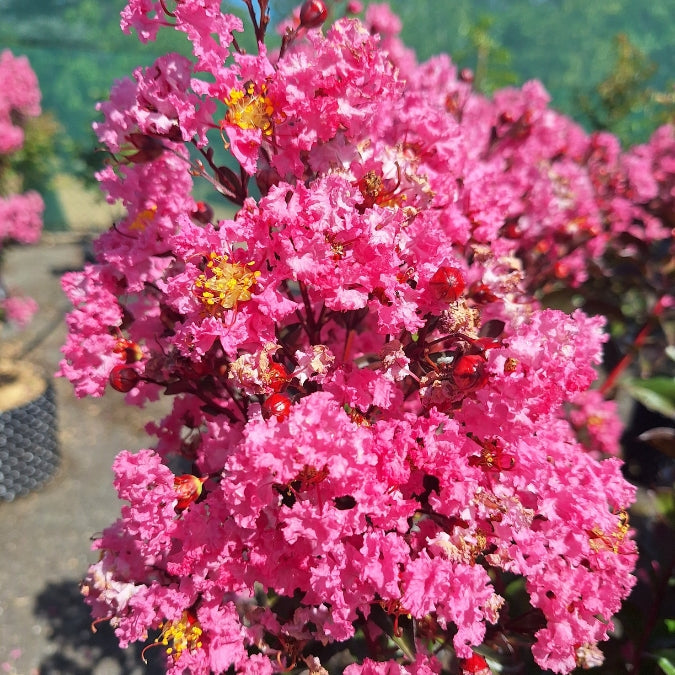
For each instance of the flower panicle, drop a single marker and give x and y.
(374, 418)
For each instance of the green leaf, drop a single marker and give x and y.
(402, 634)
(656, 393)
(666, 666)
(661, 385)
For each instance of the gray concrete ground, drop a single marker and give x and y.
(45, 536)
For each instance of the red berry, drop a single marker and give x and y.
(277, 405)
(313, 13)
(123, 378)
(447, 284)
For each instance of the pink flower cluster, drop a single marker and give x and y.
(21, 218)
(20, 214)
(370, 433)
(19, 98)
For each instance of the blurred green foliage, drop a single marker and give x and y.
(616, 56)
(624, 102)
(78, 50)
(605, 64)
(34, 165)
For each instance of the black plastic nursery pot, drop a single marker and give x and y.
(29, 450)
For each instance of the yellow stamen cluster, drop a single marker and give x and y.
(250, 109)
(600, 540)
(223, 285)
(143, 219)
(180, 635)
(371, 185)
(357, 417)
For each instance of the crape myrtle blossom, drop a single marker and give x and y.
(20, 98)
(18, 310)
(374, 425)
(21, 217)
(20, 213)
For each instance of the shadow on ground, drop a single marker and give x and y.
(76, 649)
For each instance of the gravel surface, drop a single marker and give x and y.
(45, 537)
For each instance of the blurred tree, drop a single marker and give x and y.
(492, 69)
(77, 50)
(567, 44)
(34, 166)
(623, 102)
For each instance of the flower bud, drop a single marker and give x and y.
(188, 489)
(277, 405)
(466, 75)
(475, 665)
(123, 378)
(203, 213)
(313, 13)
(469, 372)
(447, 284)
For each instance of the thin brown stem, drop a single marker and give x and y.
(165, 9)
(264, 19)
(260, 27)
(243, 409)
(251, 13)
(287, 40)
(311, 323)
